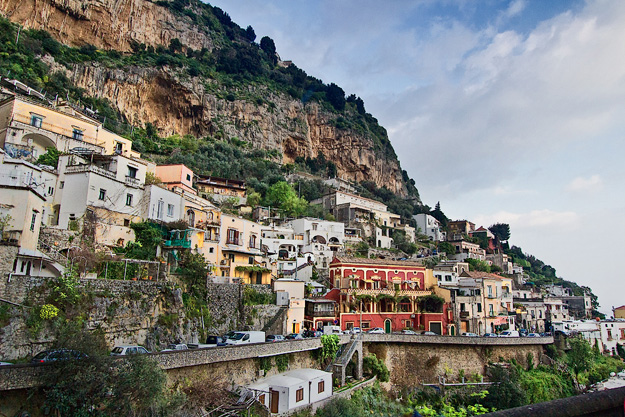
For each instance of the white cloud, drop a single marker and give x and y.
(535, 219)
(581, 184)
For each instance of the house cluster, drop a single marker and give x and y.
(100, 187)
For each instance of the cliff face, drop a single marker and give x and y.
(296, 129)
(191, 105)
(106, 24)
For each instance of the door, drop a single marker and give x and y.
(275, 399)
(436, 327)
(387, 326)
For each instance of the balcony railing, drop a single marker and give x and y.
(178, 243)
(74, 169)
(409, 293)
(20, 120)
(132, 181)
(464, 314)
(233, 242)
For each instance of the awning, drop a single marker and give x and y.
(500, 320)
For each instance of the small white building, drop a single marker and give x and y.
(294, 389)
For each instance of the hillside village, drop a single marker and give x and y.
(82, 215)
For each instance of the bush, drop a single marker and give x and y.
(374, 367)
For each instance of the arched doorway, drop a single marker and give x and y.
(387, 326)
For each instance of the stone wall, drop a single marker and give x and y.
(229, 313)
(8, 253)
(129, 312)
(133, 312)
(411, 364)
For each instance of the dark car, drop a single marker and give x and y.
(52, 355)
(294, 336)
(214, 339)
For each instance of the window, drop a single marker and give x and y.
(211, 250)
(77, 134)
(170, 210)
(159, 209)
(463, 307)
(50, 190)
(490, 291)
(102, 194)
(250, 260)
(132, 172)
(33, 219)
(261, 398)
(127, 222)
(233, 237)
(321, 387)
(118, 147)
(540, 314)
(490, 310)
(252, 241)
(479, 307)
(36, 121)
(188, 177)
(299, 395)
(129, 199)
(314, 226)
(62, 184)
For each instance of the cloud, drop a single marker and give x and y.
(517, 99)
(581, 184)
(535, 219)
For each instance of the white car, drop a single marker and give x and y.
(468, 334)
(175, 346)
(376, 330)
(128, 350)
(407, 331)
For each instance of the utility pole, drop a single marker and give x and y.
(17, 38)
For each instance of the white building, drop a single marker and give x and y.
(160, 204)
(429, 226)
(104, 193)
(291, 390)
(447, 272)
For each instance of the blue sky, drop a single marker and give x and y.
(508, 111)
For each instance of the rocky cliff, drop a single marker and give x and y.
(177, 103)
(106, 24)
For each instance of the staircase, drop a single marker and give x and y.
(339, 365)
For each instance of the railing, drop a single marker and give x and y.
(74, 169)
(233, 242)
(132, 181)
(415, 293)
(68, 133)
(178, 243)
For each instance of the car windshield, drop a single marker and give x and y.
(117, 350)
(237, 336)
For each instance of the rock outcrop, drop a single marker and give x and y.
(180, 104)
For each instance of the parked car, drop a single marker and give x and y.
(490, 335)
(406, 331)
(376, 330)
(356, 330)
(428, 334)
(469, 334)
(52, 355)
(128, 350)
(5, 363)
(509, 333)
(243, 337)
(311, 333)
(175, 346)
(225, 337)
(294, 336)
(274, 338)
(533, 335)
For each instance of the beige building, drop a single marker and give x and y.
(28, 127)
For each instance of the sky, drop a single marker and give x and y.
(502, 111)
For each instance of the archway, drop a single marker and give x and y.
(387, 326)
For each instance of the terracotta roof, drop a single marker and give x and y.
(479, 274)
(620, 308)
(368, 261)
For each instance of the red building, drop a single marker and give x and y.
(388, 294)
